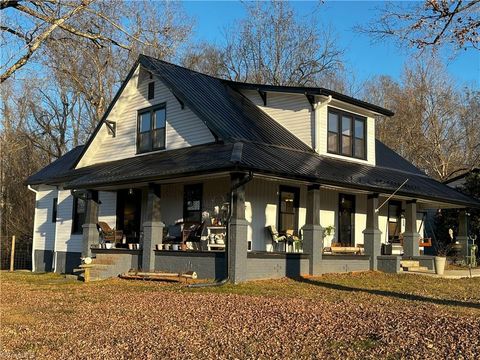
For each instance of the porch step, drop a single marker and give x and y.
(409, 263)
(416, 268)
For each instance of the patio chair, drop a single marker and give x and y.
(109, 234)
(276, 237)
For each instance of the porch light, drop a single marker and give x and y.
(130, 191)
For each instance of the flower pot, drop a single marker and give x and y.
(269, 247)
(175, 247)
(440, 262)
(108, 245)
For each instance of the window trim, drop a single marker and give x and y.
(152, 110)
(352, 137)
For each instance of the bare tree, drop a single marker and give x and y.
(433, 126)
(28, 27)
(430, 24)
(271, 46)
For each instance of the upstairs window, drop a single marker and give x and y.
(346, 134)
(151, 129)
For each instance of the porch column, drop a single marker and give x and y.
(237, 232)
(462, 235)
(152, 228)
(372, 240)
(312, 231)
(411, 236)
(89, 228)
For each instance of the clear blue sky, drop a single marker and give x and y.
(363, 58)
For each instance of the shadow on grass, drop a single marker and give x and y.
(393, 294)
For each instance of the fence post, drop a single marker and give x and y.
(12, 253)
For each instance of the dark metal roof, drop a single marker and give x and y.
(55, 168)
(386, 157)
(311, 91)
(226, 112)
(262, 158)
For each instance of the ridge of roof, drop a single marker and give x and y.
(228, 113)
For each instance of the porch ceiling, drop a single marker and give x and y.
(263, 159)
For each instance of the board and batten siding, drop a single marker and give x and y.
(44, 227)
(292, 111)
(183, 127)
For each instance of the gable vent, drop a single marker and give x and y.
(151, 90)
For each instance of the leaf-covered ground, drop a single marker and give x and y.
(356, 316)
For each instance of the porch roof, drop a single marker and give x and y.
(265, 159)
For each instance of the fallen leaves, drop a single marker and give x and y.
(293, 320)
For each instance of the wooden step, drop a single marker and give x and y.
(416, 268)
(409, 263)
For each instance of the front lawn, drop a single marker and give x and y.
(336, 316)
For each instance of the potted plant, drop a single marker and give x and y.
(442, 249)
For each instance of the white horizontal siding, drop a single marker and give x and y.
(65, 241)
(107, 211)
(44, 230)
(184, 128)
(292, 111)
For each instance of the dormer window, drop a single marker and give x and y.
(151, 129)
(346, 134)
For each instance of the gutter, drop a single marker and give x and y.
(227, 278)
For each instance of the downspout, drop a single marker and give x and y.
(34, 226)
(227, 278)
(317, 107)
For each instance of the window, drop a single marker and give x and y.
(78, 216)
(288, 210)
(346, 134)
(151, 90)
(151, 129)
(54, 210)
(192, 203)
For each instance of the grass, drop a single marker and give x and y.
(344, 315)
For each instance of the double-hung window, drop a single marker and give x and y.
(346, 134)
(151, 129)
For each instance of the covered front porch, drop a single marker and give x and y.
(220, 226)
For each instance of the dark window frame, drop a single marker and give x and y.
(186, 217)
(296, 206)
(151, 110)
(54, 210)
(78, 219)
(353, 137)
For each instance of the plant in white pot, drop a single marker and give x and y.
(442, 249)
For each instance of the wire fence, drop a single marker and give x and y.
(22, 253)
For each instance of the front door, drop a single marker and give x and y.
(346, 220)
(129, 203)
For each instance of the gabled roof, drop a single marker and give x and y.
(54, 169)
(225, 111)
